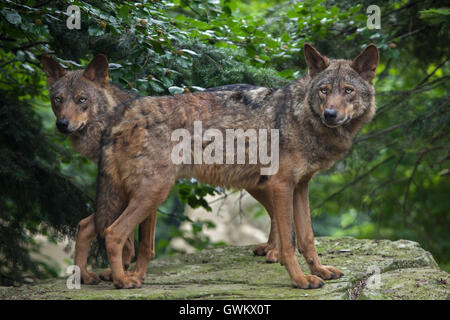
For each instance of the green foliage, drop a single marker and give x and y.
(171, 215)
(436, 15)
(192, 192)
(393, 184)
(34, 196)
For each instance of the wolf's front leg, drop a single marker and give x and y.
(282, 199)
(305, 235)
(270, 248)
(115, 238)
(85, 235)
(141, 209)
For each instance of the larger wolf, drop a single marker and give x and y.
(316, 116)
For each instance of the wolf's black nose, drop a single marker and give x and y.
(330, 114)
(62, 124)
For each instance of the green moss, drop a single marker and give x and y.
(406, 271)
(417, 283)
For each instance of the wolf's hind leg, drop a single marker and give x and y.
(128, 251)
(305, 235)
(146, 249)
(127, 256)
(269, 249)
(85, 235)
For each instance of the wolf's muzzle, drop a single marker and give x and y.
(63, 125)
(332, 119)
(330, 115)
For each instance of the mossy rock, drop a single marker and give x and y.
(373, 270)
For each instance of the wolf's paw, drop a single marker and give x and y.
(106, 275)
(307, 282)
(128, 282)
(272, 256)
(261, 249)
(133, 273)
(90, 278)
(327, 272)
(267, 249)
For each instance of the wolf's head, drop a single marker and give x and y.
(341, 90)
(77, 96)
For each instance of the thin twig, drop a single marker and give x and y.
(218, 199)
(381, 132)
(357, 179)
(406, 35)
(42, 4)
(402, 8)
(399, 100)
(397, 126)
(421, 154)
(432, 72)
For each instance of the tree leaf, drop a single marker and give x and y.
(12, 16)
(95, 31)
(176, 90)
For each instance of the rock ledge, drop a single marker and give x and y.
(373, 270)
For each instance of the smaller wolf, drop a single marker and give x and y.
(316, 116)
(81, 105)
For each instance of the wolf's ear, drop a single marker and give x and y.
(315, 61)
(52, 69)
(97, 70)
(366, 62)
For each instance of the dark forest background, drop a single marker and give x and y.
(393, 184)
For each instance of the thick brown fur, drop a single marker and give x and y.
(87, 121)
(317, 117)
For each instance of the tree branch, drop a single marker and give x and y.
(402, 8)
(401, 94)
(381, 132)
(42, 4)
(397, 126)
(406, 35)
(421, 154)
(357, 179)
(432, 72)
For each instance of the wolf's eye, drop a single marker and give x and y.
(324, 90)
(348, 90)
(58, 99)
(82, 100)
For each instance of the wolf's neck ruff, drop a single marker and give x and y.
(115, 101)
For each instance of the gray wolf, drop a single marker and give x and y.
(317, 117)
